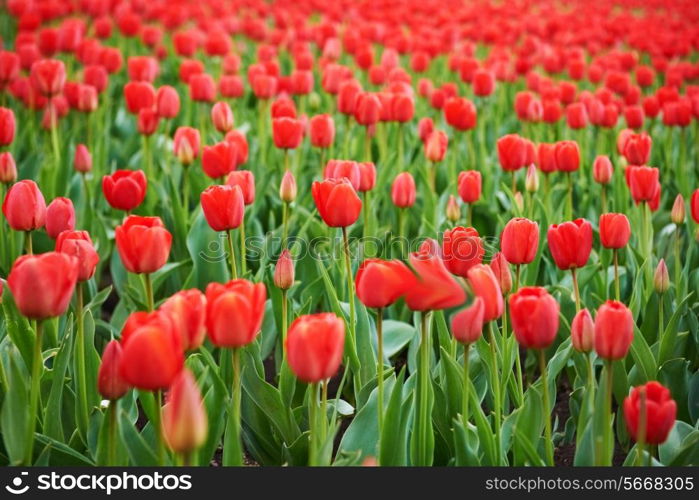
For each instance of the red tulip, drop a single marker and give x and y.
(433, 287)
(143, 244)
(7, 126)
(138, 96)
(24, 206)
(48, 77)
(694, 205)
(222, 117)
(576, 116)
(60, 216)
(534, 314)
(347, 95)
(152, 355)
(167, 102)
(264, 86)
(567, 156)
(519, 240)
(184, 420)
(483, 83)
(338, 169)
(125, 189)
(314, 346)
(367, 176)
(602, 169)
(240, 144)
(301, 82)
(570, 243)
(186, 144)
(43, 284)
(109, 382)
(380, 283)
(322, 131)
(425, 127)
(467, 324)
(219, 160)
(231, 86)
(403, 190)
(460, 113)
(284, 271)
(403, 108)
(202, 88)
(283, 107)
(637, 148)
(187, 312)
(501, 270)
(367, 109)
(512, 152)
(436, 146)
(643, 182)
(223, 206)
(485, 285)
(79, 245)
(614, 230)
(469, 186)
(82, 160)
(246, 181)
(613, 330)
(142, 68)
(462, 249)
(147, 122)
(287, 132)
(582, 331)
(546, 158)
(337, 202)
(659, 415)
(234, 312)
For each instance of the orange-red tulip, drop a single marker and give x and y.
(314, 346)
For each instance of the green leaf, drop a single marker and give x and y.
(394, 435)
(13, 417)
(669, 339)
(53, 427)
(396, 335)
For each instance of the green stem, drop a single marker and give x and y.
(569, 207)
(367, 145)
(604, 199)
(313, 424)
(37, 368)
(324, 413)
(423, 409)
(546, 408)
(467, 386)
(401, 147)
(243, 250)
(149, 291)
(469, 214)
(56, 152)
(231, 252)
(518, 269)
(678, 267)
(28, 242)
(616, 274)
(661, 320)
(608, 436)
(185, 191)
(576, 290)
(158, 427)
(83, 415)
(285, 222)
(366, 212)
(350, 284)
(496, 392)
(285, 307)
(235, 404)
(379, 367)
(112, 436)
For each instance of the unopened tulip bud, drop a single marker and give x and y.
(582, 331)
(288, 189)
(8, 168)
(82, 161)
(185, 424)
(501, 270)
(222, 117)
(314, 100)
(109, 382)
(678, 210)
(531, 183)
(519, 201)
(284, 271)
(453, 210)
(661, 279)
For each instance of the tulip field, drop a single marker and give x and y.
(361, 232)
